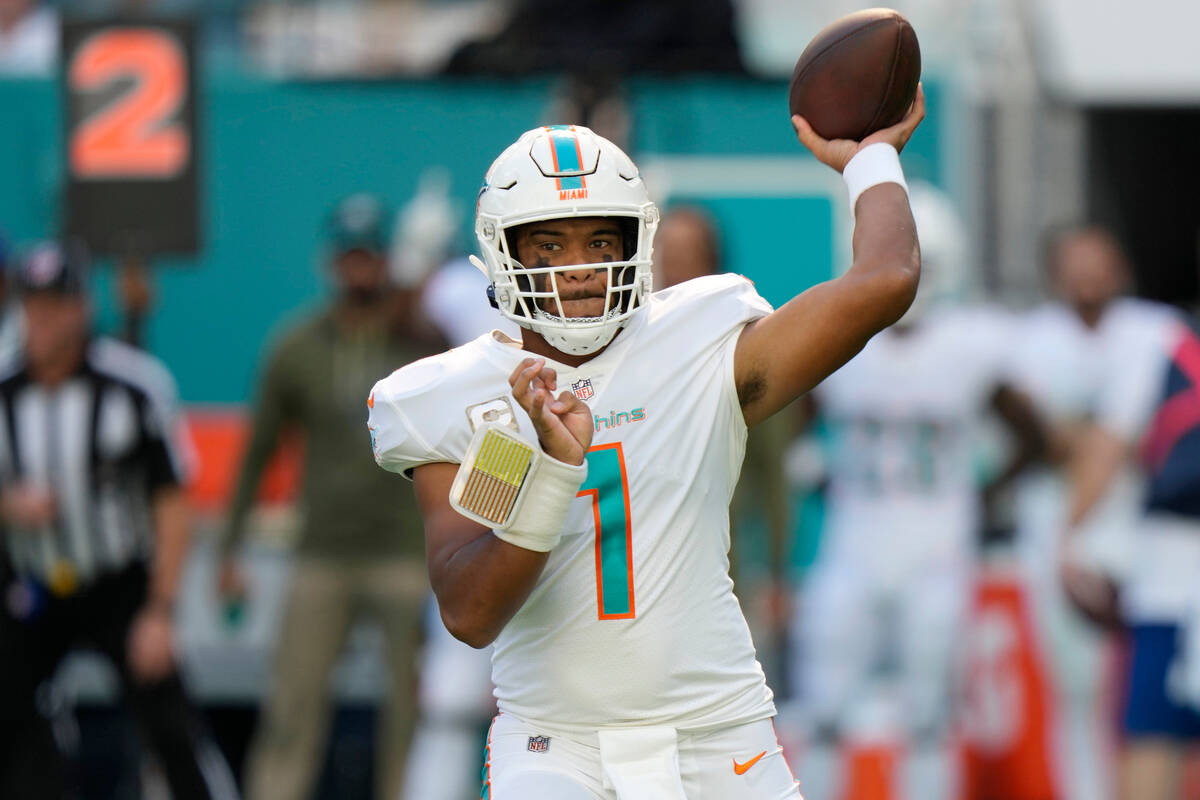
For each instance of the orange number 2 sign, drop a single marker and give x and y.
(133, 135)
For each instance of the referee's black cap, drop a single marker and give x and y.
(50, 266)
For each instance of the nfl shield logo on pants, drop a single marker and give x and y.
(539, 744)
(583, 388)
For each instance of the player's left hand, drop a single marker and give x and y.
(151, 645)
(837, 153)
(563, 423)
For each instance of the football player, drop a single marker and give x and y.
(884, 608)
(575, 484)
(1149, 395)
(1061, 359)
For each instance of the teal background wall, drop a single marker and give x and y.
(276, 156)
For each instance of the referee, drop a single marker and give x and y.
(95, 533)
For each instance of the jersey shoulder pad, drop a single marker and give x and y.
(708, 305)
(411, 412)
(696, 319)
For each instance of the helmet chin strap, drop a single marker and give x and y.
(558, 333)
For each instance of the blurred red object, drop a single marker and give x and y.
(1006, 732)
(869, 771)
(219, 436)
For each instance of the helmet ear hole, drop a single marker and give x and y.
(523, 281)
(629, 236)
(510, 242)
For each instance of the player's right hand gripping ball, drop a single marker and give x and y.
(858, 75)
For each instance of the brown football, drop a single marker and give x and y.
(857, 75)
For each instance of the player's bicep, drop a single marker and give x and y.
(446, 531)
(790, 351)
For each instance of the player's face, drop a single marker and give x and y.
(1089, 272)
(569, 241)
(54, 324)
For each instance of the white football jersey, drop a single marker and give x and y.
(634, 620)
(904, 416)
(1075, 374)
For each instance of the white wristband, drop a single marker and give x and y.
(874, 164)
(509, 484)
(538, 522)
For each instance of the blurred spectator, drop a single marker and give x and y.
(28, 37)
(360, 551)
(597, 43)
(1150, 395)
(603, 37)
(92, 464)
(884, 610)
(687, 246)
(367, 38)
(1060, 360)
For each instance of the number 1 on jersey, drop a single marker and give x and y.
(608, 486)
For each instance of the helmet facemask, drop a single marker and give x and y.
(519, 192)
(531, 295)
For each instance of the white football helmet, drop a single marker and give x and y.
(550, 173)
(945, 271)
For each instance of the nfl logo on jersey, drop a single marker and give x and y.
(583, 388)
(539, 744)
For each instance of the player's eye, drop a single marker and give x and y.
(549, 246)
(600, 243)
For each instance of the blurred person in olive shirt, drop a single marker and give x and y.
(360, 548)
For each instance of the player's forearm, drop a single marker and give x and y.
(482, 584)
(1093, 469)
(172, 539)
(1030, 437)
(887, 261)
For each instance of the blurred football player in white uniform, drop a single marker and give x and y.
(575, 484)
(1062, 361)
(882, 615)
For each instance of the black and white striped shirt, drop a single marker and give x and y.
(102, 441)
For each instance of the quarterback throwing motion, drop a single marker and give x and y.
(575, 484)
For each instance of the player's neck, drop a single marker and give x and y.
(534, 342)
(1090, 314)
